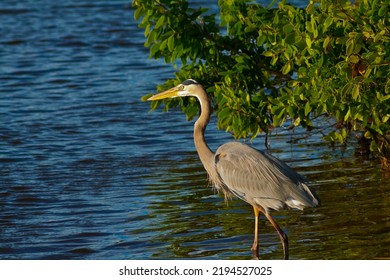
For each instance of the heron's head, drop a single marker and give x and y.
(187, 88)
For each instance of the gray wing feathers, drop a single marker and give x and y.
(261, 179)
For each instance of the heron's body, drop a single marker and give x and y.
(261, 179)
(237, 169)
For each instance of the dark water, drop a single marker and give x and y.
(86, 172)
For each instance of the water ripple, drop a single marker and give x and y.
(86, 172)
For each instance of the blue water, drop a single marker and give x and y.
(87, 172)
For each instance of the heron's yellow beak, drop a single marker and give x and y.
(170, 93)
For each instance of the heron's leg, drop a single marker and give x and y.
(282, 235)
(255, 246)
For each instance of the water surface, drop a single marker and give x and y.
(86, 172)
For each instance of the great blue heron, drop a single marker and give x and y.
(236, 169)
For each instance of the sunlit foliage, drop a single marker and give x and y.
(265, 66)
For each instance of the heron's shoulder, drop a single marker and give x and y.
(238, 150)
(234, 147)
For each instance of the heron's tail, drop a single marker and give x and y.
(302, 198)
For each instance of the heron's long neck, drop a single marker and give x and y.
(204, 152)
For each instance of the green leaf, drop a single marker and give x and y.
(154, 49)
(314, 27)
(307, 108)
(297, 121)
(353, 59)
(327, 43)
(224, 113)
(308, 41)
(288, 28)
(163, 45)
(274, 60)
(191, 110)
(343, 134)
(138, 13)
(286, 68)
(278, 114)
(154, 105)
(373, 146)
(293, 83)
(356, 91)
(350, 46)
(151, 39)
(268, 53)
(291, 38)
(145, 97)
(379, 36)
(328, 22)
(160, 22)
(346, 89)
(383, 11)
(171, 43)
(346, 117)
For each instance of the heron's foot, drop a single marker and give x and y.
(286, 255)
(255, 252)
(284, 239)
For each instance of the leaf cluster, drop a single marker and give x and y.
(264, 66)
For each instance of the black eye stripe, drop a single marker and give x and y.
(189, 82)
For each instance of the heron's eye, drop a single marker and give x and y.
(181, 87)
